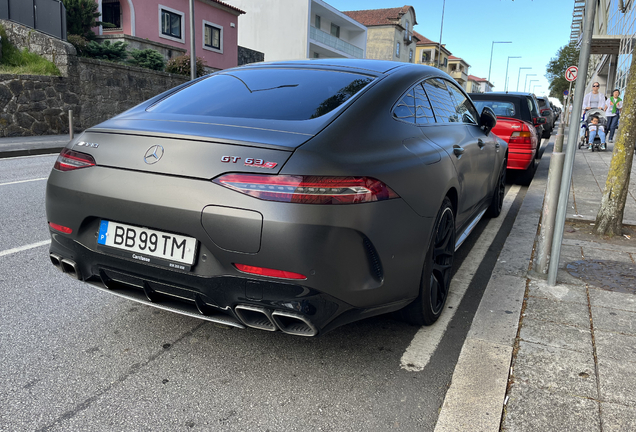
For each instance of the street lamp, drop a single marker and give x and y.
(535, 86)
(526, 80)
(441, 28)
(491, 49)
(530, 85)
(506, 81)
(519, 75)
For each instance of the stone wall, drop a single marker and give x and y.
(95, 90)
(107, 89)
(35, 105)
(52, 49)
(246, 55)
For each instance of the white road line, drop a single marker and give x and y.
(23, 248)
(426, 340)
(23, 181)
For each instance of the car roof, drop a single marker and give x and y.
(377, 66)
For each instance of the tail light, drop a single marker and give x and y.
(60, 228)
(70, 160)
(308, 189)
(262, 271)
(523, 137)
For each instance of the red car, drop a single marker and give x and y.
(520, 125)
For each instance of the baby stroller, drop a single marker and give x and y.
(585, 122)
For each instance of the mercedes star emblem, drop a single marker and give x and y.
(153, 154)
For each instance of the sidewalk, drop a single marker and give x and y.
(33, 145)
(562, 358)
(575, 361)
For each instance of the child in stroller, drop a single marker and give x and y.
(593, 122)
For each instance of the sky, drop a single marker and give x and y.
(536, 28)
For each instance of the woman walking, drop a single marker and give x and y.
(613, 107)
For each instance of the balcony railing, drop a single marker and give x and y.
(334, 42)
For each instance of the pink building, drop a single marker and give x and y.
(161, 24)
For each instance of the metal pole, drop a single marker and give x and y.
(491, 50)
(441, 28)
(70, 124)
(549, 213)
(526, 81)
(573, 135)
(506, 80)
(519, 75)
(193, 57)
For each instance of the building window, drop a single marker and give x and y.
(397, 49)
(212, 36)
(171, 23)
(316, 55)
(111, 14)
(335, 30)
(411, 56)
(426, 56)
(407, 26)
(317, 22)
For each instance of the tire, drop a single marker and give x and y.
(496, 203)
(436, 274)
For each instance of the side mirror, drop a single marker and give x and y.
(545, 112)
(488, 119)
(539, 120)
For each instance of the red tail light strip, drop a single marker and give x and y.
(308, 189)
(60, 228)
(261, 271)
(70, 160)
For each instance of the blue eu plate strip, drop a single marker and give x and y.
(103, 229)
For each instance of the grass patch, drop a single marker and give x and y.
(23, 62)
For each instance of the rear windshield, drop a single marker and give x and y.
(273, 94)
(501, 108)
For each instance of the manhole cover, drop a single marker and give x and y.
(608, 275)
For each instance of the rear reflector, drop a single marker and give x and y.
(60, 228)
(308, 189)
(69, 160)
(261, 271)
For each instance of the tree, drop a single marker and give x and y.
(609, 220)
(566, 56)
(81, 17)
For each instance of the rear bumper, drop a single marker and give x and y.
(519, 159)
(360, 260)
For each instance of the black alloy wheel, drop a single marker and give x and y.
(499, 193)
(437, 271)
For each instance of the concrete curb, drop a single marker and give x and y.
(476, 395)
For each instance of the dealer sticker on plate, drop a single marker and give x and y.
(146, 245)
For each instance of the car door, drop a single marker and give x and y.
(464, 146)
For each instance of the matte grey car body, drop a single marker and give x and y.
(175, 167)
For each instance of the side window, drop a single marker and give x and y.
(441, 101)
(465, 109)
(423, 110)
(405, 109)
(532, 107)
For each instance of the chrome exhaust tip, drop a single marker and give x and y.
(56, 260)
(293, 324)
(70, 268)
(255, 317)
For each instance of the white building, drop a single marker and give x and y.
(299, 29)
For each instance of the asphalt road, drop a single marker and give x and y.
(74, 358)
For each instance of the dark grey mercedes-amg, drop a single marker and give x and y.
(294, 196)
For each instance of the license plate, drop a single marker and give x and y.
(148, 246)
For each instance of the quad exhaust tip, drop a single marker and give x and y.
(293, 324)
(256, 317)
(66, 265)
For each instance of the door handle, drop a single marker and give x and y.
(481, 143)
(458, 150)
